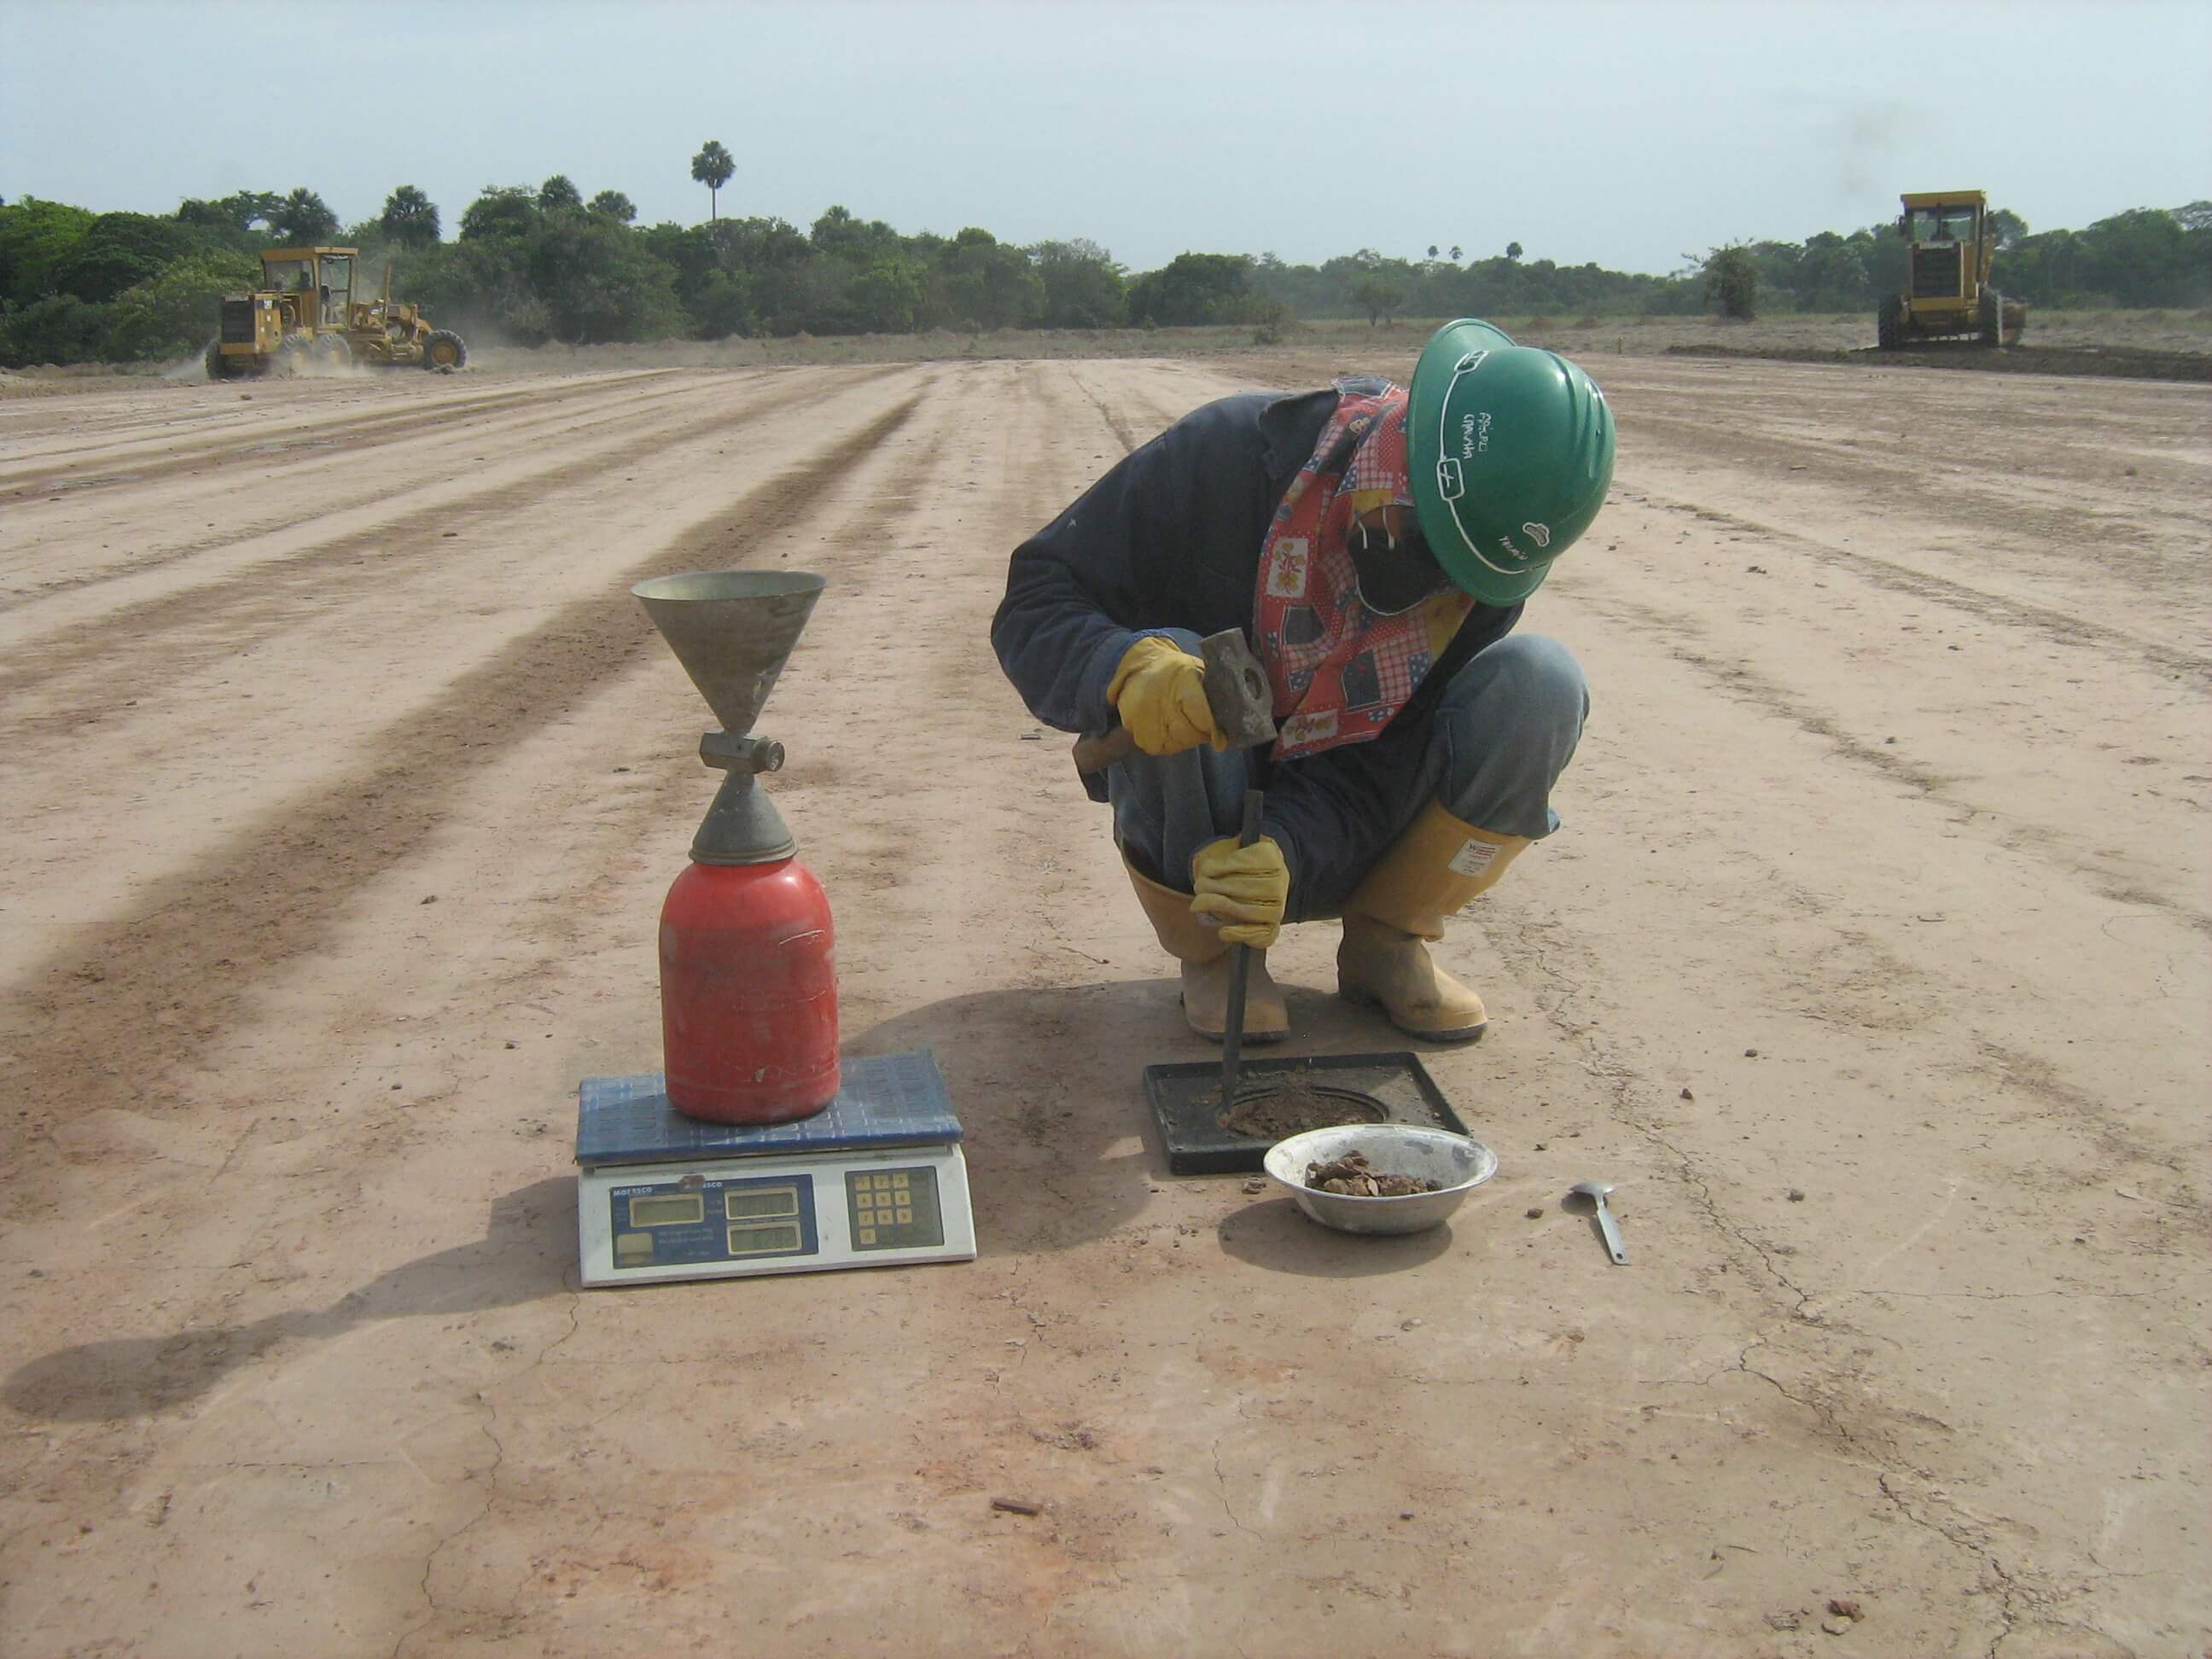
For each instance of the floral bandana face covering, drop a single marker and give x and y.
(1340, 671)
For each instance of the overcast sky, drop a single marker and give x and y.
(1625, 134)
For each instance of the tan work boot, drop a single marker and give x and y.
(1430, 871)
(1206, 965)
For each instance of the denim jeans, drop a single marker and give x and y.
(1497, 740)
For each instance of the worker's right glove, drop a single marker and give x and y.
(1243, 888)
(1159, 691)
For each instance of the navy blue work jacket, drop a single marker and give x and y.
(1170, 537)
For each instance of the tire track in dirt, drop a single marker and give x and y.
(1054, 399)
(1135, 419)
(83, 671)
(2029, 504)
(860, 571)
(367, 430)
(2061, 626)
(135, 456)
(329, 500)
(1743, 683)
(106, 1024)
(1123, 433)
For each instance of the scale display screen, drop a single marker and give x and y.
(774, 1238)
(726, 1221)
(675, 1210)
(767, 1201)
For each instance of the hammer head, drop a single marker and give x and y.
(1237, 693)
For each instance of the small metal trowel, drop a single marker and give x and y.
(1595, 1191)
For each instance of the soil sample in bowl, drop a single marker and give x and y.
(1277, 1111)
(1354, 1177)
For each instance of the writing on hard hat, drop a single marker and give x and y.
(1510, 453)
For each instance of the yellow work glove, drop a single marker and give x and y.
(1159, 691)
(1243, 888)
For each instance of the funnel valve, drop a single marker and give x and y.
(728, 754)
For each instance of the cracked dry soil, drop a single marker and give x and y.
(339, 813)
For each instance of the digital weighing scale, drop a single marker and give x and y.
(876, 1179)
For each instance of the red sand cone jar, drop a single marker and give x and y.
(749, 993)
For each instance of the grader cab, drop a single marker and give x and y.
(307, 315)
(1951, 246)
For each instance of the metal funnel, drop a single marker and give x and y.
(732, 630)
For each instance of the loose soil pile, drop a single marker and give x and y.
(1352, 1176)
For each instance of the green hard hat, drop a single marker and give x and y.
(1510, 451)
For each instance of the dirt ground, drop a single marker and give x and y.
(341, 783)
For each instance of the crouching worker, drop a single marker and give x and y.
(1377, 543)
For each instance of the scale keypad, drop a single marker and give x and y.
(893, 1209)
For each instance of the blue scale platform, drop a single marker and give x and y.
(885, 1100)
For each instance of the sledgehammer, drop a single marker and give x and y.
(1236, 695)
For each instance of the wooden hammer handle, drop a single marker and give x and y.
(1095, 751)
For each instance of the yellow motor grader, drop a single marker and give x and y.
(1948, 292)
(304, 316)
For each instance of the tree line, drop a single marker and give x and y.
(533, 264)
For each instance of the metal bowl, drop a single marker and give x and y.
(1438, 1155)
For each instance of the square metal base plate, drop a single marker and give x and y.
(1186, 1099)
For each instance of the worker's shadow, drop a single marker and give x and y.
(1048, 1084)
(528, 1251)
(1044, 1084)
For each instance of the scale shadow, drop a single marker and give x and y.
(1048, 1084)
(527, 1252)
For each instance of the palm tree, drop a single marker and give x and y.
(711, 167)
(1456, 251)
(410, 218)
(614, 205)
(303, 219)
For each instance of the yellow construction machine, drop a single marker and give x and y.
(304, 315)
(1950, 246)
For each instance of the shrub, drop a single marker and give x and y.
(174, 313)
(59, 329)
(35, 237)
(119, 251)
(1732, 281)
(1269, 319)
